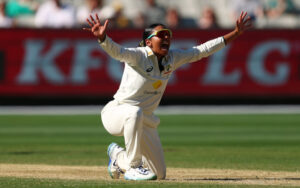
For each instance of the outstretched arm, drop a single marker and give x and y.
(212, 46)
(129, 55)
(242, 25)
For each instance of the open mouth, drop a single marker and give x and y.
(165, 45)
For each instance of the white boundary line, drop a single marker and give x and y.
(231, 109)
(163, 110)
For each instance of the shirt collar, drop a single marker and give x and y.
(149, 51)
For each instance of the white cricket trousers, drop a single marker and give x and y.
(140, 135)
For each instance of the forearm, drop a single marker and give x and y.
(198, 52)
(116, 51)
(210, 47)
(110, 47)
(228, 38)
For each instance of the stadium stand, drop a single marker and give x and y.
(130, 13)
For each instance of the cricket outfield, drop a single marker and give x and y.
(208, 150)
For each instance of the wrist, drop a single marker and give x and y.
(237, 32)
(102, 38)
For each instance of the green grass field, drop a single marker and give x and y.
(244, 142)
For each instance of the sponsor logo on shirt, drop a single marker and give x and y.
(152, 92)
(149, 69)
(157, 84)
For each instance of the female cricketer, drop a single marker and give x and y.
(146, 74)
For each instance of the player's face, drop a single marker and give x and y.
(160, 41)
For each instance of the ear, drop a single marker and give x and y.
(148, 43)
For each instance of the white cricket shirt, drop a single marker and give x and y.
(143, 84)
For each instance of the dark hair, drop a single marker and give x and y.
(147, 32)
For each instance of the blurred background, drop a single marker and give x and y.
(46, 58)
(195, 14)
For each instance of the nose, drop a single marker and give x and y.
(167, 36)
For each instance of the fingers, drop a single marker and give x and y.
(240, 18)
(89, 22)
(245, 24)
(244, 15)
(87, 29)
(92, 19)
(97, 18)
(92, 22)
(105, 24)
(248, 24)
(95, 27)
(248, 20)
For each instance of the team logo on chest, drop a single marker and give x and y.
(168, 69)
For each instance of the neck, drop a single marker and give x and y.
(159, 57)
(161, 67)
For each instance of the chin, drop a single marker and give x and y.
(164, 52)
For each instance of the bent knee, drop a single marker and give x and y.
(135, 112)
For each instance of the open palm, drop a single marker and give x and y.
(97, 29)
(243, 24)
